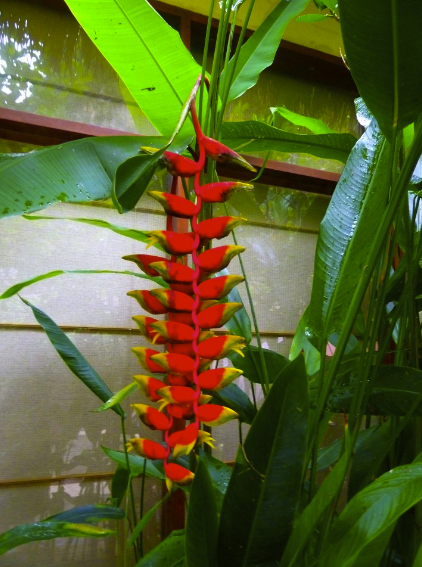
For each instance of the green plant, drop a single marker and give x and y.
(272, 511)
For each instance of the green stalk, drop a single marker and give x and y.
(400, 190)
(141, 508)
(214, 72)
(228, 81)
(205, 58)
(132, 497)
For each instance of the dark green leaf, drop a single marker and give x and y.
(146, 52)
(39, 531)
(384, 51)
(347, 232)
(136, 464)
(168, 553)
(88, 514)
(220, 475)
(73, 359)
(301, 343)
(263, 492)
(131, 180)
(313, 513)
(119, 484)
(202, 521)
(361, 533)
(75, 172)
(258, 52)
(14, 289)
(250, 363)
(233, 397)
(254, 136)
(395, 390)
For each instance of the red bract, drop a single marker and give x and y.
(174, 205)
(179, 165)
(216, 288)
(221, 191)
(172, 242)
(219, 258)
(193, 308)
(148, 302)
(218, 227)
(143, 261)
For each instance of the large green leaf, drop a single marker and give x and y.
(361, 533)
(143, 522)
(202, 521)
(73, 358)
(347, 232)
(136, 464)
(313, 513)
(168, 553)
(258, 52)
(147, 54)
(263, 492)
(132, 178)
(250, 363)
(220, 475)
(384, 52)
(254, 136)
(14, 289)
(88, 514)
(26, 533)
(75, 172)
(301, 343)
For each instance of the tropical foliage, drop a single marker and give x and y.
(274, 507)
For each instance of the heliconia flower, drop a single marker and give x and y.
(185, 411)
(176, 380)
(187, 348)
(184, 441)
(175, 243)
(148, 302)
(218, 347)
(181, 317)
(177, 475)
(173, 300)
(149, 386)
(143, 262)
(151, 417)
(146, 448)
(217, 378)
(217, 288)
(217, 315)
(221, 191)
(177, 394)
(174, 363)
(218, 227)
(144, 324)
(173, 204)
(214, 415)
(182, 288)
(144, 356)
(219, 152)
(179, 165)
(173, 271)
(173, 332)
(216, 259)
(175, 163)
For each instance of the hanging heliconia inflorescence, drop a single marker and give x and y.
(193, 308)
